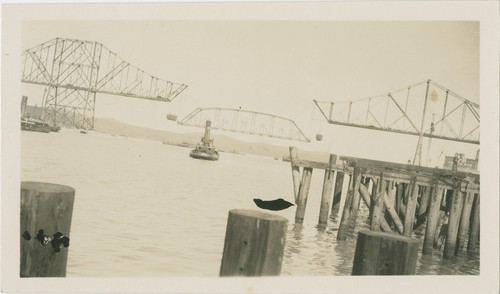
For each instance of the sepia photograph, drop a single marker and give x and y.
(250, 147)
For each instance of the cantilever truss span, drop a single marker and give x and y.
(425, 109)
(244, 121)
(75, 70)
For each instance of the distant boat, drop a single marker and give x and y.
(34, 125)
(205, 149)
(171, 116)
(55, 128)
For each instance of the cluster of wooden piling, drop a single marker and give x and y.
(401, 199)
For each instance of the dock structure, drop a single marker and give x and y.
(401, 198)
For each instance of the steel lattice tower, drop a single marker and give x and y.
(74, 71)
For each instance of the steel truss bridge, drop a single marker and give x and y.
(244, 121)
(425, 109)
(74, 71)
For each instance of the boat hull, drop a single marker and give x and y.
(35, 127)
(204, 155)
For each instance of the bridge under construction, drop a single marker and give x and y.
(426, 109)
(74, 71)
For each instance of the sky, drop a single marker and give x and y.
(279, 67)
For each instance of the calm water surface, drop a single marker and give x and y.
(147, 209)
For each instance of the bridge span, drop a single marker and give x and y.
(245, 121)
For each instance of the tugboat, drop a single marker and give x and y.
(34, 125)
(205, 149)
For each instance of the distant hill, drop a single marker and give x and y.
(223, 143)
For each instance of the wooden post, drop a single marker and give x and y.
(355, 201)
(424, 203)
(400, 207)
(379, 253)
(349, 205)
(326, 193)
(455, 212)
(442, 226)
(432, 219)
(303, 193)
(46, 211)
(391, 193)
(464, 221)
(378, 196)
(410, 208)
(389, 206)
(474, 227)
(424, 199)
(365, 194)
(373, 195)
(254, 244)
(337, 192)
(295, 172)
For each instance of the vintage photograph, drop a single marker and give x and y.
(163, 141)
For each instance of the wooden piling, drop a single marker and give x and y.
(464, 222)
(46, 212)
(254, 244)
(350, 205)
(472, 245)
(391, 193)
(379, 253)
(295, 172)
(355, 202)
(432, 218)
(326, 193)
(424, 203)
(399, 206)
(378, 199)
(442, 226)
(373, 194)
(410, 208)
(337, 192)
(365, 195)
(303, 194)
(456, 204)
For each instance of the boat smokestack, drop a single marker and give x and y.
(24, 102)
(476, 163)
(207, 131)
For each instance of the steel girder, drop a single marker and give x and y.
(425, 109)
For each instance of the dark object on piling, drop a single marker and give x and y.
(278, 204)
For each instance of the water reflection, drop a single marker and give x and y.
(294, 242)
(312, 250)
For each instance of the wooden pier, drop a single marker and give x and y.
(401, 199)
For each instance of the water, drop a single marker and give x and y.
(145, 209)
